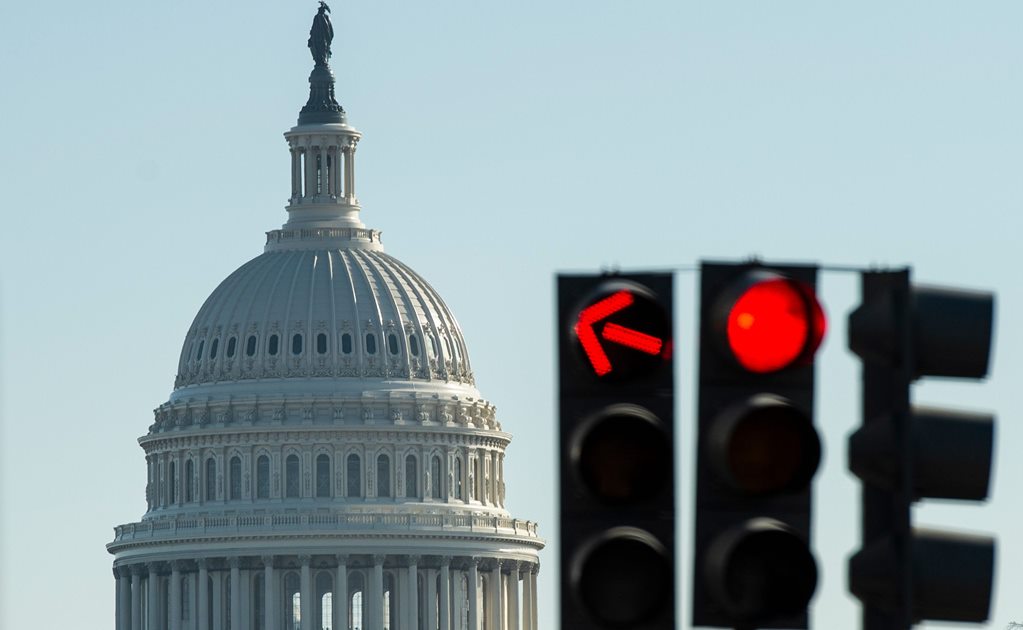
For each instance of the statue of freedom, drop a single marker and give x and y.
(320, 35)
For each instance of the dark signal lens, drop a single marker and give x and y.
(772, 324)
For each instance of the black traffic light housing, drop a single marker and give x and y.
(616, 436)
(757, 449)
(903, 453)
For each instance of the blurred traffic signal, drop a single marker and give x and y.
(757, 449)
(616, 397)
(904, 453)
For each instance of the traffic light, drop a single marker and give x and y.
(757, 449)
(616, 435)
(903, 453)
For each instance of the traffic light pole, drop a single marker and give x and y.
(886, 387)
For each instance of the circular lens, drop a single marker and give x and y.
(625, 579)
(624, 456)
(762, 570)
(769, 325)
(767, 446)
(622, 332)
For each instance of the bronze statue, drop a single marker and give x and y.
(320, 35)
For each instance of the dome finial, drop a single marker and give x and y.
(322, 106)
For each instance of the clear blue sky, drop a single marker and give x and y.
(142, 160)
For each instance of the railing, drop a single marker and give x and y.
(213, 525)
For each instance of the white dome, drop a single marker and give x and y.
(332, 311)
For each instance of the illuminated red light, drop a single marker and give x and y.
(773, 324)
(632, 338)
(588, 338)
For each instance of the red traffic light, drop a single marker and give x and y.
(622, 331)
(770, 322)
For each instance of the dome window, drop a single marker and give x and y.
(211, 479)
(235, 478)
(371, 344)
(296, 344)
(213, 348)
(291, 473)
(231, 344)
(198, 354)
(383, 476)
(322, 475)
(413, 345)
(346, 343)
(321, 343)
(250, 346)
(392, 343)
(354, 476)
(263, 477)
(273, 345)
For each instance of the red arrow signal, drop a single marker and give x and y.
(612, 332)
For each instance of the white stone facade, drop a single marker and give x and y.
(325, 460)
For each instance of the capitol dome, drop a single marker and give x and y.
(325, 461)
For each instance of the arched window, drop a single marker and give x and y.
(371, 344)
(296, 344)
(272, 346)
(232, 343)
(250, 346)
(291, 474)
(323, 604)
(322, 475)
(354, 474)
(383, 475)
(211, 479)
(292, 601)
(189, 480)
(263, 477)
(458, 479)
(435, 479)
(346, 343)
(213, 348)
(413, 345)
(411, 475)
(236, 478)
(198, 354)
(321, 343)
(392, 343)
(172, 483)
(390, 611)
(356, 586)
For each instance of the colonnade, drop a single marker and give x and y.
(319, 592)
(323, 169)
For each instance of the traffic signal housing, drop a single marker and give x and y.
(616, 407)
(757, 448)
(903, 453)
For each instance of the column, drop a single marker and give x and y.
(527, 599)
(296, 170)
(532, 595)
(350, 172)
(236, 592)
(152, 593)
(445, 593)
(513, 597)
(413, 593)
(136, 597)
(457, 599)
(306, 588)
(496, 604)
(202, 609)
(335, 172)
(174, 614)
(376, 594)
(341, 593)
(310, 173)
(474, 599)
(218, 601)
(122, 613)
(269, 599)
(430, 605)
